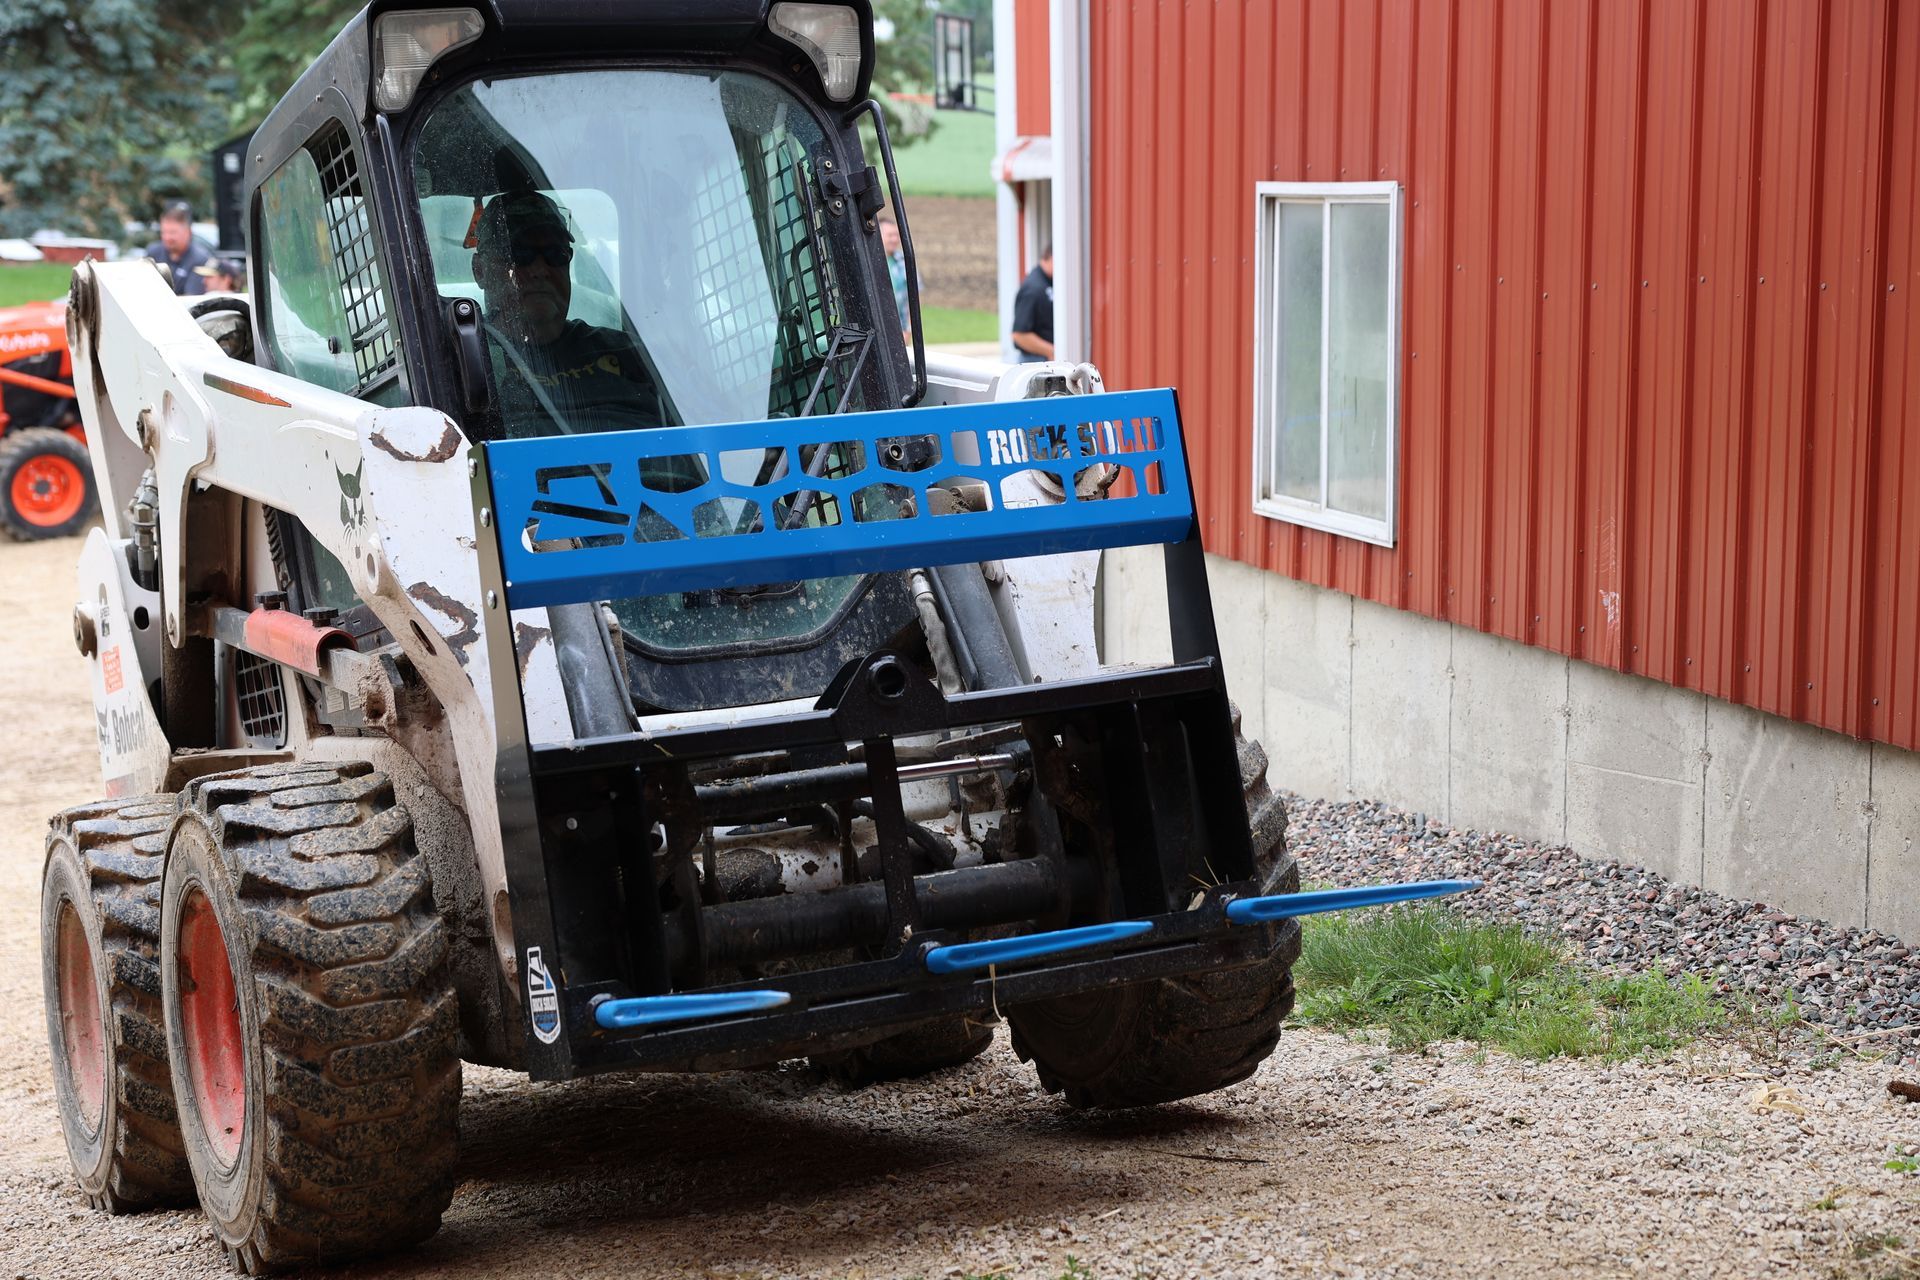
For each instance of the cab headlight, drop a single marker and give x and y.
(830, 35)
(405, 44)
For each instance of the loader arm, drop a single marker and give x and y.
(384, 491)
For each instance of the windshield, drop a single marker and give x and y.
(648, 247)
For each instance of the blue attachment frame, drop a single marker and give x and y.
(647, 1011)
(605, 535)
(979, 955)
(1285, 906)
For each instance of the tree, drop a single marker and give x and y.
(107, 108)
(903, 59)
(278, 40)
(903, 64)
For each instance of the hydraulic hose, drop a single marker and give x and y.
(979, 640)
(938, 643)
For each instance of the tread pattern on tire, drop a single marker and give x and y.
(921, 1049)
(357, 1014)
(1195, 1034)
(121, 845)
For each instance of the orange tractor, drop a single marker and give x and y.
(46, 478)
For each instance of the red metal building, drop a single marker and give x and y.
(1658, 358)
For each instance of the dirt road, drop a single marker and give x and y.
(1336, 1159)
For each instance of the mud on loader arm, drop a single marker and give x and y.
(384, 491)
(599, 857)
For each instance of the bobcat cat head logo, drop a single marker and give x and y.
(353, 512)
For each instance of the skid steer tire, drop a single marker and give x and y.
(99, 943)
(1173, 1038)
(310, 1015)
(46, 485)
(919, 1050)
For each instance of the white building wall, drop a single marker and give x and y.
(1006, 208)
(1356, 700)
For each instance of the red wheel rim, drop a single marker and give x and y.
(210, 1020)
(83, 1033)
(48, 490)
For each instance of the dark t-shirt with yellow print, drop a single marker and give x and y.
(593, 378)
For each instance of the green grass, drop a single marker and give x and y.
(1428, 975)
(953, 162)
(32, 282)
(952, 324)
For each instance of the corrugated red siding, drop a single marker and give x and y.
(1660, 399)
(1033, 74)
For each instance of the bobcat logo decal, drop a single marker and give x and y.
(353, 512)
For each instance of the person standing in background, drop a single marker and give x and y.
(222, 275)
(897, 273)
(1033, 311)
(178, 252)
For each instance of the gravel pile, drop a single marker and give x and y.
(1862, 985)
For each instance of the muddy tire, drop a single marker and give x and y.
(1176, 1038)
(99, 948)
(919, 1050)
(310, 1015)
(46, 485)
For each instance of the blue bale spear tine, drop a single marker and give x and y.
(979, 955)
(1284, 906)
(649, 1011)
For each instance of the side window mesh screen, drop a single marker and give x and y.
(807, 295)
(356, 268)
(735, 309)
(325, 311)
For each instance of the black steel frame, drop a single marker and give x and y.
(1132, 780)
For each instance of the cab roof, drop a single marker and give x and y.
(341, 77)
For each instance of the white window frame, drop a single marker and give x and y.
(1268, 196)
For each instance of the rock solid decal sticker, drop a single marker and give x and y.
(543, 999)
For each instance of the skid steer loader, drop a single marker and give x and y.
(559, 624)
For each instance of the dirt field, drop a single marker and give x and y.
(954, 240)
(1336, 1159)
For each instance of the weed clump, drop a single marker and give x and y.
(1426, 975)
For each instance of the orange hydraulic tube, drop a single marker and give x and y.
(289, 638)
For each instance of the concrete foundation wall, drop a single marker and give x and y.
(1353, 699)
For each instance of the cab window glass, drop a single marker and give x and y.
(650, 248)
(326, 317)
(672, 223)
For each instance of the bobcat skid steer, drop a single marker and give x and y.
(584, 637)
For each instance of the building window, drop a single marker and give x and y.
(1327, 355)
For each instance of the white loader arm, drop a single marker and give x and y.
(386, 491)
(200, 416)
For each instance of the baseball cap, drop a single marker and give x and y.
(233, 268)
(512, 215)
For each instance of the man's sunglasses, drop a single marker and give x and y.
(556, 255)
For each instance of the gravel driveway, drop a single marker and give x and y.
(1337, 1158)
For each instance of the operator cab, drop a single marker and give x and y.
(556, 218)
